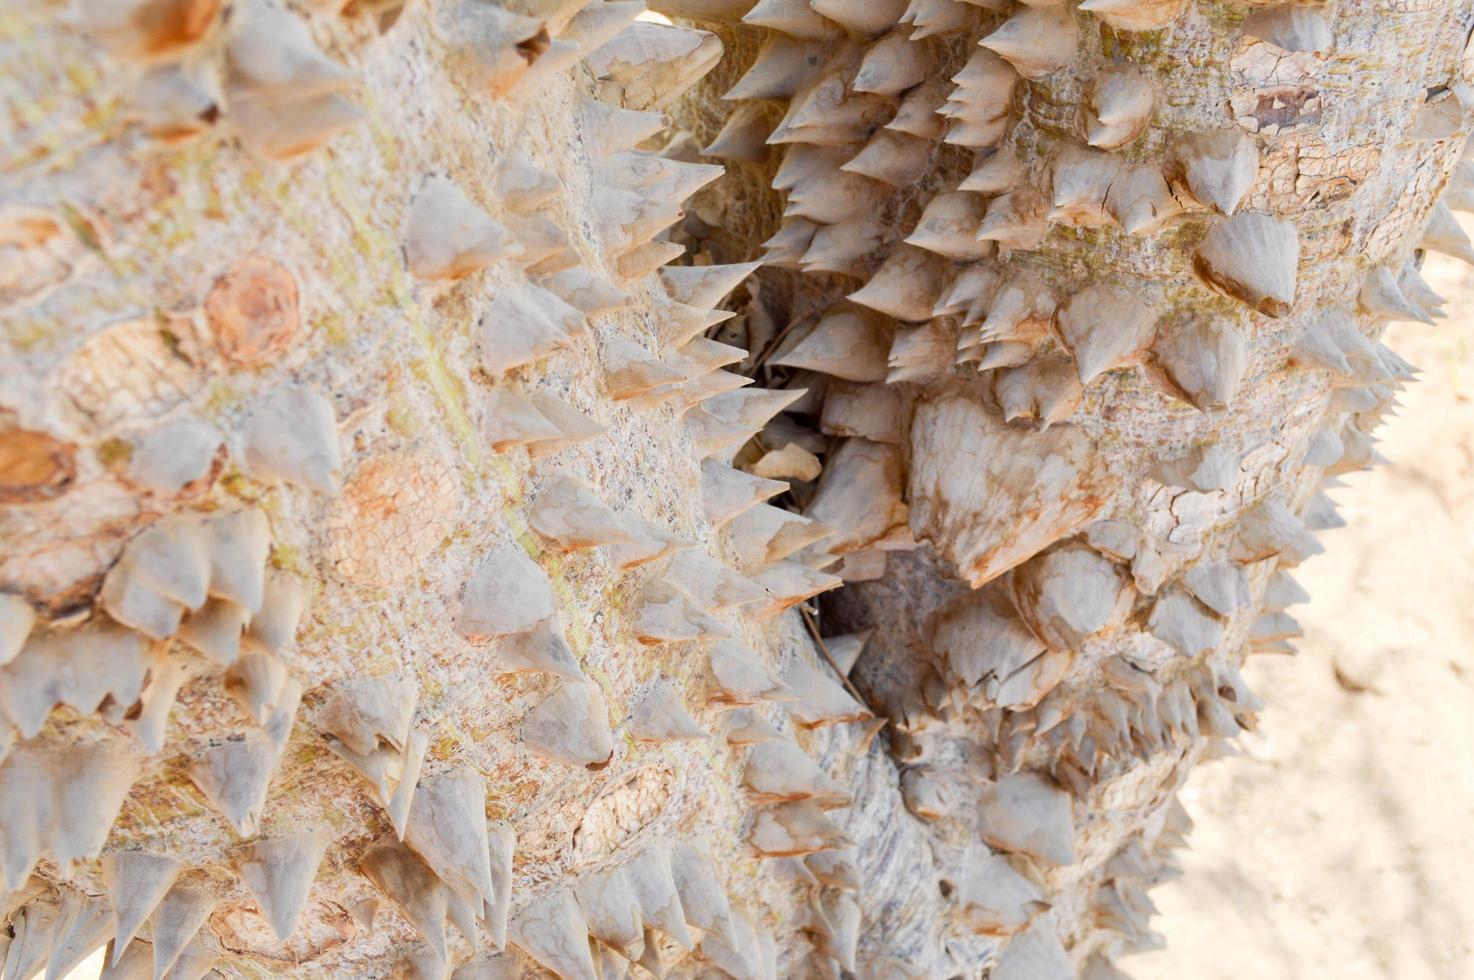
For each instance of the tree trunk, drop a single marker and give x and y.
(398, 580)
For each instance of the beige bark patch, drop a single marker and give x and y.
(989, 496)
(393, 512)
(130, 371)
(630, 803)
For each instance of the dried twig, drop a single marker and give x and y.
(824, 651)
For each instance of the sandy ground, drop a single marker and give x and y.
(1339, 843)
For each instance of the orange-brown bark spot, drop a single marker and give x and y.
(170, 26)
(34, 467)
(252, 310)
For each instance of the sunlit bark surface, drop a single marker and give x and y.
(452, 526)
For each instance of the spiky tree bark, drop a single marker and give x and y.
(398, 577)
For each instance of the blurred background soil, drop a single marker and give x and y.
(1339, 843)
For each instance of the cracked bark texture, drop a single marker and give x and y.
(366, 407)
